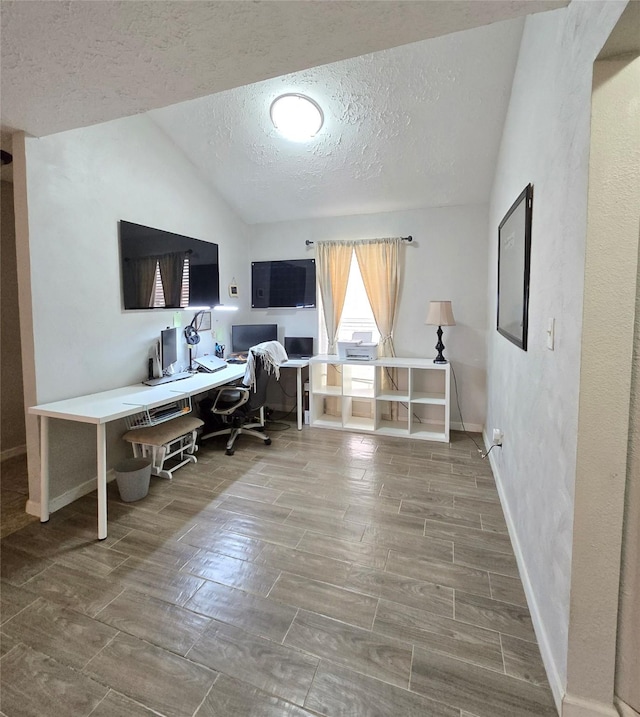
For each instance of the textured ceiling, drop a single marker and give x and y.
(412, 126)
(72, 63)
(415, 126)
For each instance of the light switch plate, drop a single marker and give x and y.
(551, 326)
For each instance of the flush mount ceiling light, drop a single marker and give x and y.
(296, 117)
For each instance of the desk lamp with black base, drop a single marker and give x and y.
(440, 314)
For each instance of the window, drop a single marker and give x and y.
(158, 291)
(356, 314)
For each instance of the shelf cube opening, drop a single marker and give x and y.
(392, 417)
(392, 382)
(428, 386)
(426, 418)
(327, 410)
(359, 413)
(327, 378)
(357, 381)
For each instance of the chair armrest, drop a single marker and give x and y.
(225, 401)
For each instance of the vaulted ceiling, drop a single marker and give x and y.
(410, 121)
(414, 126)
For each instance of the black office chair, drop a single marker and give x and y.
(236, 406)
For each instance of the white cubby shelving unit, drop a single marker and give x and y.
(407, 397)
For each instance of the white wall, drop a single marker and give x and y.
(446, 260)
(533, 395)
(79, 184)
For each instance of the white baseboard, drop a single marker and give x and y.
(470, 427)
(577, 707)
(553, 675)
(12, 452)
(624, 709)
(33, 507)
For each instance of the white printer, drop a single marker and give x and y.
(360, 347)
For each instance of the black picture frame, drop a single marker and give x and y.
(514, 265)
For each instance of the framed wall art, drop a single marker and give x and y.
(205, 321)
(514, 260)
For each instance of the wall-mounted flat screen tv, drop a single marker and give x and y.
(283, 284)
(160, 269)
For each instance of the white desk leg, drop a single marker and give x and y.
(44, 469)
(299, 395)
(101, 448)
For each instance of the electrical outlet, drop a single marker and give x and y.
(498, 435)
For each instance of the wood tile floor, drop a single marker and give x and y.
(14, 491)
(330, 574)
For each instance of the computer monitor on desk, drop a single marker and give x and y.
(244, 336)
(164, 355)
(168, 348)
(298, 347)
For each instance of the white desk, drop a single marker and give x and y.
(297, 364)
(101, 408)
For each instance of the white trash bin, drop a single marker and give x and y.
(133, 476)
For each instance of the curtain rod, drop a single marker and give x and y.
(409, 238)
(157, 256)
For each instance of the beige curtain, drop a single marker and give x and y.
(379, 264)
(142, 271)
(333, 261)
(380, 268)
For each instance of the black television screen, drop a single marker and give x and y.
(160, 269)
(283, 284)
(244, 336)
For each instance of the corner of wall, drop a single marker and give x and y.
(575, 707)
(27, 340)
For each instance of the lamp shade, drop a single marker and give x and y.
(440, 313)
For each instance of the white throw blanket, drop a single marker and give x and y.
(272, 355)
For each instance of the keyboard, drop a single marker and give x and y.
(168, 379)
(236, 359)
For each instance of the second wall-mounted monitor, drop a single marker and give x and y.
(283, 284)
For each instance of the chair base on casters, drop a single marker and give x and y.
(256, 430)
